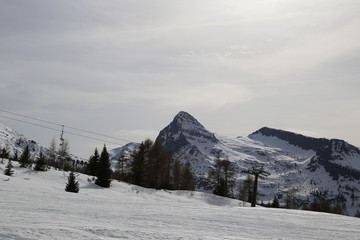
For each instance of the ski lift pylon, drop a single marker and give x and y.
(62, 135)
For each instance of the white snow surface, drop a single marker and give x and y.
(34, 205)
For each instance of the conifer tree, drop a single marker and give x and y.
(120, 169)
(137, 168)
(9, 169)
(176, 174)
(93, 162)
(187, 181)
(72, 185)
(246, 189)
(16, 157)
(40, 163)
(4, 153)
(25, 158)
(275, 203)
(221, 177)
(158, 165)
(103, 173)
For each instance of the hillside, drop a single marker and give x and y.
(34, 205)
(16, 142)
(302, 166)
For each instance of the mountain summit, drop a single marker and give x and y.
(183, 131)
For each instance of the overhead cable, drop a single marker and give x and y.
(66, 126)
(67, 132)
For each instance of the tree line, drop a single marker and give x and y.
(150, 165)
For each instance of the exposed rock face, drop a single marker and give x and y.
(182, 131)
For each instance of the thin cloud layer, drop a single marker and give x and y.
(286, 64)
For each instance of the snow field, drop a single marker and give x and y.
(34, 205)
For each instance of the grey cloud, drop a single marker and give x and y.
(246, 63)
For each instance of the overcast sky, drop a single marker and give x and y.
(126, 68)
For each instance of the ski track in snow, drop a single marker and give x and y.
(34, 205)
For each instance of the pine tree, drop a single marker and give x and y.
(176, 174)
(9, 169)
(222, 177)
(16, 157)
(40, 163)
(25, 158)
(4, 153)
(158, 167)
(137, 168)
(72, 185)
(103, 173)
(93, 162)
(120, 169)
(187, 181)
(275, 203)
(228, 176)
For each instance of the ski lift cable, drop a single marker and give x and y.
(54, 129)
(93, 138)
(99, 134)
(27, 122)
(62, 125)
(37, 119)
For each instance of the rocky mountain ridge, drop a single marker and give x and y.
(305, 166)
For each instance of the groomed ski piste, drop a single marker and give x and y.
(34, 205)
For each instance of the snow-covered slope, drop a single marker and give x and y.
(16, 142)
(13, 142)
(125, 150)
(35, 206)
(298, 164)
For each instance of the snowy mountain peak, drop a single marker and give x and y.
(182, 130)
(185, 121)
